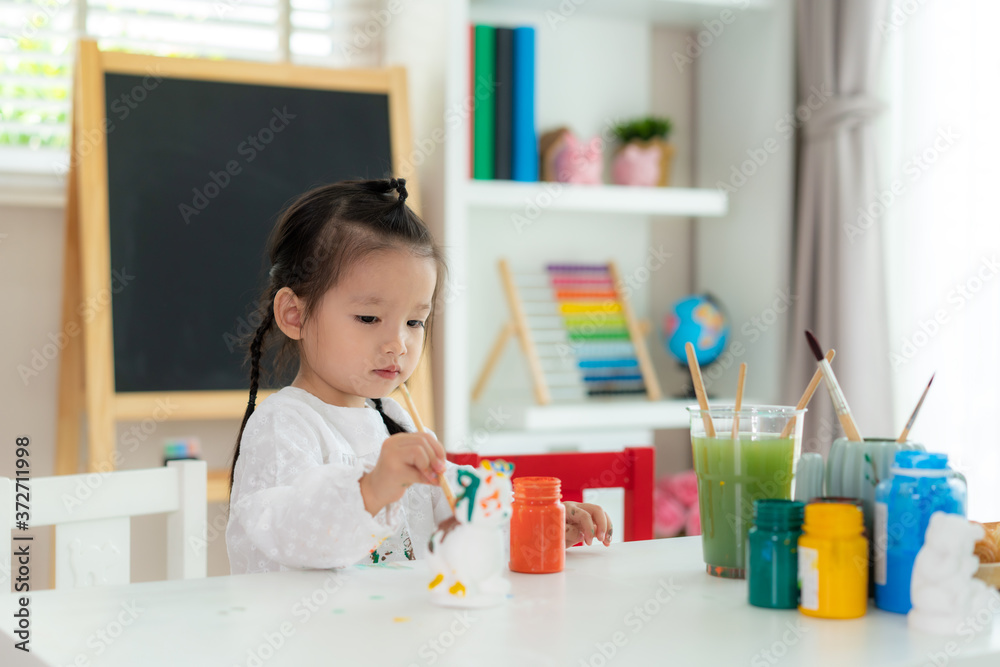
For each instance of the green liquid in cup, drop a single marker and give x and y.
(728, 485)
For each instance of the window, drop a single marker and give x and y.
(35, 79)
(38, 38)
(336, 33)
(943, 249)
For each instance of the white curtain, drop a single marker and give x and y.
(941, 217)
(839, 274)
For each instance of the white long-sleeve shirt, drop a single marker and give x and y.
(296, 502)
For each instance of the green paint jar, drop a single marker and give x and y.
(772, 553)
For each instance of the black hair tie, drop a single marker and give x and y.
(399, 185)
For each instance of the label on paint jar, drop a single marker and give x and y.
(881, 541)
(809, 578)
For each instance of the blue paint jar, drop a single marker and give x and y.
(773, 557)
(921, 484)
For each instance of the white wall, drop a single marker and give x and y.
(745, 87)
(415, 39)
(31, 274)
(673, 94)
(31, 251)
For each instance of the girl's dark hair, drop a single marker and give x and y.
(317, 239)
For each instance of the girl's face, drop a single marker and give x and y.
(365, 336)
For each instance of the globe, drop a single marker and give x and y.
(699, 320)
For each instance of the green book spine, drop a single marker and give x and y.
(484, 95)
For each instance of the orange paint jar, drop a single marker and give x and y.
(537, 526)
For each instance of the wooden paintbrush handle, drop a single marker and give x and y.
(739, 399)
(807, 394)
(699, 389)
(442, 482)
(850, 428)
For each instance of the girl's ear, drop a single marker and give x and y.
(289, 311)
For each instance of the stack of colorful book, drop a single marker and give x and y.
(503, 139)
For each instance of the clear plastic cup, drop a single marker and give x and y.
(733, 473)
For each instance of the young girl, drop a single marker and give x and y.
(328, 472)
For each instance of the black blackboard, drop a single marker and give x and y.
(192, 200)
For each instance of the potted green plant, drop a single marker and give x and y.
(645, 154)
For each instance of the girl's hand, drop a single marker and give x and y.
(405, 459)
(586, 521)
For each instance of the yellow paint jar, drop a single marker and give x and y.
(833, 562)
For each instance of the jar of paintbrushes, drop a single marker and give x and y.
(742, 454)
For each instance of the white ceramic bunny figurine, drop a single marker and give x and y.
(467, 551)
(942, 588)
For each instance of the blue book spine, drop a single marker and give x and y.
(524, 162)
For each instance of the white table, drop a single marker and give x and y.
(634, 602)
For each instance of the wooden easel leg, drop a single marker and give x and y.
(95, 253)
(71, 385)
(491, 361)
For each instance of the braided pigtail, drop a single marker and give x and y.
(256, 351)
(391, 424)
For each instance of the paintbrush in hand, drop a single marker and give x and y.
(442, 482)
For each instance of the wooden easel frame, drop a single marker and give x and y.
(86, 379)
(518, 326)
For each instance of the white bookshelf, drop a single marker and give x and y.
(594, 415)
(601, 63)
(681, 13)
(517, 197)
(617, 414)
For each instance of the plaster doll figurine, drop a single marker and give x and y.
(467, 551)
(942, 589)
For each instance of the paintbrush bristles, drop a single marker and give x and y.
(814, 345)
(913, 416)
(836, 393)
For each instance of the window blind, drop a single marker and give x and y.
(337, 33)
(37, 39)
(36, 45)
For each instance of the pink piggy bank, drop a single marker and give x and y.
(635, 165)
(579, 162)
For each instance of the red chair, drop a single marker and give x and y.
(631, 469)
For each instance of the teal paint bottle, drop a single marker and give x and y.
(772, 554)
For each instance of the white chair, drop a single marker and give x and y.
(91, 513)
